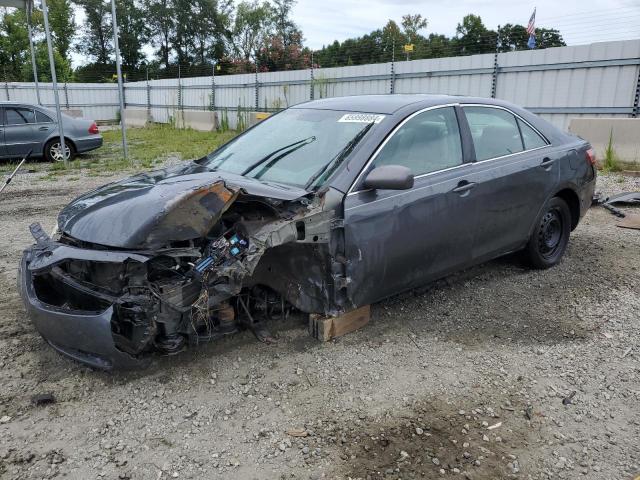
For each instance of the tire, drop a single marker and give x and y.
(550, 235)
(52, 150)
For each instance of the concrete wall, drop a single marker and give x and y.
(198, 120)
(136, 117)
(624, 132)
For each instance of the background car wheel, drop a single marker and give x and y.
(53, 152)
(550, 235)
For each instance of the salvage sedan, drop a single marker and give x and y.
(325, 207)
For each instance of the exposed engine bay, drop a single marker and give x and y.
(257, 259)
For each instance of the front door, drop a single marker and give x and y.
(397, 240)
(21, 133)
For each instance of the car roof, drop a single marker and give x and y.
(6, 103)
(391, 103)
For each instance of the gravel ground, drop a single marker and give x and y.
(464, 379)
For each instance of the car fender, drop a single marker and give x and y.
(560, 187)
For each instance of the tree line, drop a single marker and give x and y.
(188, 37)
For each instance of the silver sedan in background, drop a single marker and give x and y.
(25, 127)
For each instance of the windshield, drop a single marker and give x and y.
(299, 147)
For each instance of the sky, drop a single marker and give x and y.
(580, 21)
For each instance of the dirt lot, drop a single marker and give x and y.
(464, 379)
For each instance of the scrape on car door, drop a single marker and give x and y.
(396, 240)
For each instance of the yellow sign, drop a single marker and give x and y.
(408, 47)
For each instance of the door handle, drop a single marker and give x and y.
(546, 163)
(43, 129)
(464, 186)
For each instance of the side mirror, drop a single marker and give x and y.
(389, 177)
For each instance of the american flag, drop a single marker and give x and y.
(531, 28)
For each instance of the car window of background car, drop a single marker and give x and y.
(42, 118)
(19, 116)
(326, 137)
(495, 132)
(530, 137)
(428, 142)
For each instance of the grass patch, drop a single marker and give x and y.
(148, 148)
(611, 161)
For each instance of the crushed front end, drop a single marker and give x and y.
(213, 261)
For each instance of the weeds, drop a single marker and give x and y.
(611, 161)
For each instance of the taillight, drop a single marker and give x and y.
(590, 156)
(93, 129)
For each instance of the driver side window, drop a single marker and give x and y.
(426, 143)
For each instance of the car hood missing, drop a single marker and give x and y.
(168, 205)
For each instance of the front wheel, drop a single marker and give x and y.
(53, 152)
(550, 236)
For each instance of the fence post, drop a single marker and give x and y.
(148, 95)
(66, 95)
(311, 86)
(494, 76)
(636, 100)
(212, 107)
(257, 86)
(393, 72)
(179, 88)
(6, 87)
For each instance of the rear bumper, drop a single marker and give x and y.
(86, 144)
(586, 195)
(84, 336)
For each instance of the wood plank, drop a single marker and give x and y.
(325, 328)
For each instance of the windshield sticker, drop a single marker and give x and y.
(361, 118)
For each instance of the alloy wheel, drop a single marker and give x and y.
(56, 152)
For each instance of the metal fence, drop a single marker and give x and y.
(600, 79)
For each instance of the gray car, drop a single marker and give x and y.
(25, 127)
(325, 207)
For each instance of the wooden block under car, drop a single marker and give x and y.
(325, 328)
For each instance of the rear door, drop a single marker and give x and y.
(397, 240)
(20, 131)
(516, 170)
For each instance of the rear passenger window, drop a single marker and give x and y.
(428, 142)
(19, 116)
(530, 137)
(42, 118)
(495, 132)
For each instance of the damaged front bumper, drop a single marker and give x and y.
(83, 335)
(111, 307)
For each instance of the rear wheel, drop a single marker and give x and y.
(550, 235)
(53, 152)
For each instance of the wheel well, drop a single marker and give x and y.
(67, 141)
(573, 202)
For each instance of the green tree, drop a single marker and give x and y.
(549, 37)
(64, 72)
(132, 33)
(474, 37)
(512, 37)
(96, 41)
(14, 44)
(412, 24)
(161, 26)
(63, 27)
(253, 24)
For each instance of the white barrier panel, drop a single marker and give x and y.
(624, 134)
